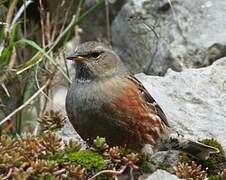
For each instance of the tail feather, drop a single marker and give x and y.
(199, 150)
(196, 149)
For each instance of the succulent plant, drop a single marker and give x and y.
(72, 146)
(190, 171)
(52, 120)
(100, 143)
(47, 156)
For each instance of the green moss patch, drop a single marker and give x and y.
(88, 159)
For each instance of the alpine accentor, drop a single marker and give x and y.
(106, 100)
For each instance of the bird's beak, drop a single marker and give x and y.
(75, 57)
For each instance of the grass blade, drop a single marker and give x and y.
(42, 51)
(7, 51)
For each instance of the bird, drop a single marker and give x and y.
(106, 100)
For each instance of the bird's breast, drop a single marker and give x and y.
(86, 104)
(92, 96)
(86, 100)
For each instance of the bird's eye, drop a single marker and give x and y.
(95, 54)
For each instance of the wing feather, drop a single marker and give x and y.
(150, 100)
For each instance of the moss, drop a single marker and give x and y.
(88, 159)
(147, 167)
(215, 158)
(213, 163)
(215, 177)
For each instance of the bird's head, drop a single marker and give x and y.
(95, 60)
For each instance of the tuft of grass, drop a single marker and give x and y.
(8, 48)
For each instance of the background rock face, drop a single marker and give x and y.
(194, 100)
(95, 26)
(152, 36)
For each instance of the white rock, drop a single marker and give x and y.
(162, 175)
(194, 100)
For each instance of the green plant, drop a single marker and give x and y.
(147, 167)
(47, 156)
(88, 159)
(100, 143)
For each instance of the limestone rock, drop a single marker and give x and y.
(152, 36)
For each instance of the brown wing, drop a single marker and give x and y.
(149, 100)
(137, 111)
